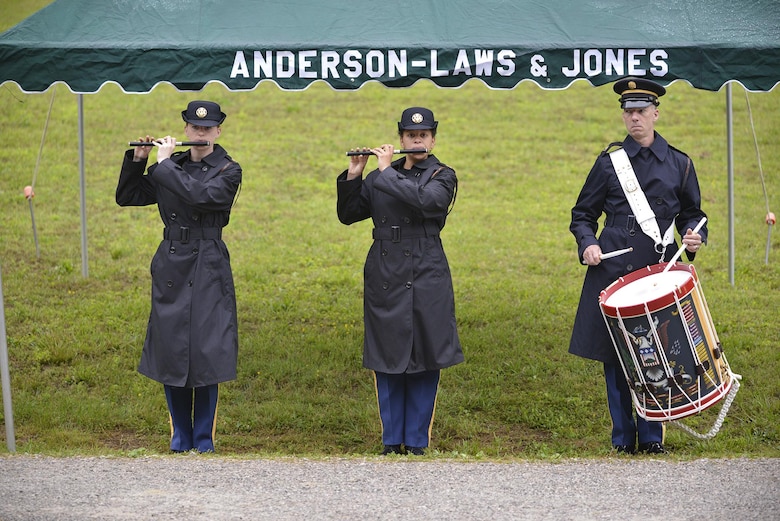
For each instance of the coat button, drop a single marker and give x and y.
(195, 217)
(385, 285)
(194, 251)
(172, 250)
(189, 283)
(659, 201)
(384, 253)
(407, 220)
(383, 219)
(205, 169)
(407, 253)
(630, 267)
(170, 284)
(173, 216)
(408, 285)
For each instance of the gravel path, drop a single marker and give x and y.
(212, 488)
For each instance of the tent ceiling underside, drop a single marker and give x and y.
(190, 43)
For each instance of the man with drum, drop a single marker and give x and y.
(645, 188)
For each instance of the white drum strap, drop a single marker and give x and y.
(638, 201)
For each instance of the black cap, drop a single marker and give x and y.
(417, 118)
(637, 93)
(203, 113)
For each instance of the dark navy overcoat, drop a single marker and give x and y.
(668, 179)
(192, 335)
(409, 305)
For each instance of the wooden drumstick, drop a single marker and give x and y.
(679, 252)
(615, 253)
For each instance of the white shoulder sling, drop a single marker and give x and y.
(638, 201)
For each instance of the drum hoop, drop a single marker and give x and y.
(656, 304)
(680, 412)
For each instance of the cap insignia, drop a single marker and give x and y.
(631, 84)
(201, 112)
(417, 118)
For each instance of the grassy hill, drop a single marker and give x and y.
(521, 157)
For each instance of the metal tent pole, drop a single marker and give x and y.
(730, 155)
(5, 376)
(83, 189)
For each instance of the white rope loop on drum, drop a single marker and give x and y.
(721, 416)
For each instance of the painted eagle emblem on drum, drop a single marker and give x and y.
(644, 340)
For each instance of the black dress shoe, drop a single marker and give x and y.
(654, 447)
(624, 449)
(391, 449)
(416, 451)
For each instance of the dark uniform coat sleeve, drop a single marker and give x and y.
(668, 179)
(192, 335)
(409, 305)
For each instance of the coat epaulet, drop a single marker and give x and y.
(687, 165)
(613, 144)
(679, 151)
(445, 166)
(438, 168)
(178, 157)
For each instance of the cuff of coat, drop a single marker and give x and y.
(585, 243)
(342, 178)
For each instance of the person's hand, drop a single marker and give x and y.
(165, 147)
(384, 156)
(357, 164)
(592, 255)
(141, 153)
(692, 241)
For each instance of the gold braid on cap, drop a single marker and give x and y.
(639, 91)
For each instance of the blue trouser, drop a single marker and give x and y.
(406, 406)
(625, 429)
(192, 427)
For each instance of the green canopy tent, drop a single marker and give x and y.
(139, 44)
(189, 43)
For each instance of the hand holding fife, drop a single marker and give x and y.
(165, 147)
(141, 152)
(384, 155)
(357, 164)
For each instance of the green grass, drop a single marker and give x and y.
(521, 157)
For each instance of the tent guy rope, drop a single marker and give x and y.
(770, 218)
(29, 190)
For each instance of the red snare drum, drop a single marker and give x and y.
(666, 342)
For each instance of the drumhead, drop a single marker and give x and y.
(648, 288)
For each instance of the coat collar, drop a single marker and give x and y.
(659, 148)
(422, 165)
(213, 159)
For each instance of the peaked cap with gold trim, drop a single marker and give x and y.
(203, 113)
(637, 93)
